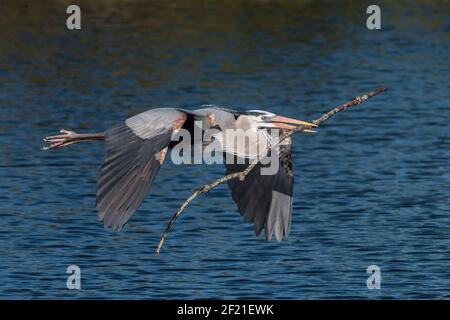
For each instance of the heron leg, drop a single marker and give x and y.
(68, 137)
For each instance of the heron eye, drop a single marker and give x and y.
(264, 118)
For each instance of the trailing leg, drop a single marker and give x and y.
(70, 137)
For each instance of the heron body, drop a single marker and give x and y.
(138, 147)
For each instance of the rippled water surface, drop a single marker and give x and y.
(372, 186)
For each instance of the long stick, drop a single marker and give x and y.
(241, 175)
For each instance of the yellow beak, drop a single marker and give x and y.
(289, 123)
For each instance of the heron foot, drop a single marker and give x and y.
(58, 141)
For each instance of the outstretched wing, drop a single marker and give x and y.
(135, 151)
(266, 200)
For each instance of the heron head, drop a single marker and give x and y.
(265, 119)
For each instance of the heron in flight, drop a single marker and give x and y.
(137, 148)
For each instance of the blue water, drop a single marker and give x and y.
(372, 186)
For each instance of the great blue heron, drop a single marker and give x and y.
(137, 148)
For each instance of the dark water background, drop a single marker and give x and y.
(372, 187)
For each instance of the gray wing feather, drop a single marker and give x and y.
(225, 117)
(132, 163)
(265, 200)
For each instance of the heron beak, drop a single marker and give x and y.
(290, 124)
